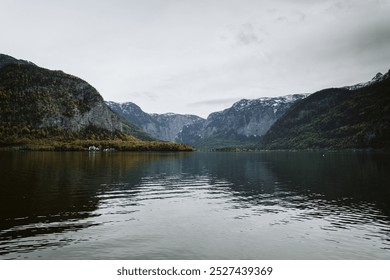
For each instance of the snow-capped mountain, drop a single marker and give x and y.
(377, 78)
(241, 124)
(356, 117)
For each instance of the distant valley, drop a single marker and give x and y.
(164, 127)
(351, 117)
(240, 125)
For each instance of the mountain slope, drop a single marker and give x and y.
(240, 125)
(164, 127)
(41, 104)
(336, 118)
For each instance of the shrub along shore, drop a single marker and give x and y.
(100, 145)
(38, 139)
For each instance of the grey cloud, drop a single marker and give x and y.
(374, 37)
(161, 56)
(247, 34)
(360, 42)
(281, 19)
(295, 17)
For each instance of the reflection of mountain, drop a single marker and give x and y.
(311, 181)
(159, 203)
(51, 193)
(333, 176)
(286, 177)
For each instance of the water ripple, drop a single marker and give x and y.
(132, 208)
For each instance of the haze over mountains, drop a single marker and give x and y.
(36, 103)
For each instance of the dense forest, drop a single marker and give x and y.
(338, 118)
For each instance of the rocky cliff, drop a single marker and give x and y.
(240, 125)
(164, 127)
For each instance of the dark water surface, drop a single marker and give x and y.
(270, 205)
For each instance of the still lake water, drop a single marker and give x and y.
(267, 205)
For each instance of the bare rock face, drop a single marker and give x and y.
(98, 115)
(164, 127)
(241, 124)
(169, 125)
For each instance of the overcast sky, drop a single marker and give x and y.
(197, 56)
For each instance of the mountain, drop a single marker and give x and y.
(37, 104)
(164, 127)
(336, 118)
(7, 60)
(240, 125)
(41, 98)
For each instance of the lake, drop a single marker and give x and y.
(200, 205)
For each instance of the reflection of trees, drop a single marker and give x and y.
(247, 172)
(359, 177)
(46, 193)
(346, 189)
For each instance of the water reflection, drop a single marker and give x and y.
(194, 205)
(348, 190)
(52, 193)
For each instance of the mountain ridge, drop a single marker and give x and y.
(377, 78)
(355, 117)
(37, 103)
(6, 60)
(241, 124)
(164, 127)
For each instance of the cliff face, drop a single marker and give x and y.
(165, 127)
(35, 97)
(239, 125)
(169, 125)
